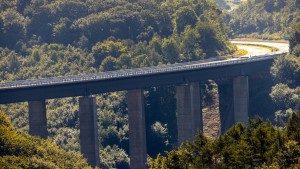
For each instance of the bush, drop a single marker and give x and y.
(20, 150)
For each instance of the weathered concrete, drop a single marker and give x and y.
(137, 131)
(259, 89)
(189, 113)
(226, 106)
(66, 89)
(37, 118)
(89, 143)
(241, 99)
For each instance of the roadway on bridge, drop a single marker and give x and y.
(256, 48)
(138, 78)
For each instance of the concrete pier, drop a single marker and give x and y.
(226, 106)
(37, 118)
(137, 131)
(189, 112)
(241, 99)
(89, 143)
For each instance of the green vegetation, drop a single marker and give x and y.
(234, 3)
(258, 145)
(222, 4)
(267, 19)
(84, 24)
(270, 48)
(286, 73)
(20, 150)
(274, 19)
(239, 52)
(68, 37)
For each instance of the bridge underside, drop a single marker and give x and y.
(136, 82)
(233, 104)
(233, 84)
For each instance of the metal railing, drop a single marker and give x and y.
(208, 63)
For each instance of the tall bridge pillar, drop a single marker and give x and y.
(189, 113)
(233, 102)
(241, 99)
(226, 106)
(37, 118)
(137, 131)
(89, 144)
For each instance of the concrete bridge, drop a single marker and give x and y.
(232, 77)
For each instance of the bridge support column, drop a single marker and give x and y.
(37, 118)
(189, 113)
(226, 106)
(89, 144)
(241, 99)
(137, 131)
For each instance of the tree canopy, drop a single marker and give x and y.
(268, 19)
(259, 145)
(20, 150)
(286, 73)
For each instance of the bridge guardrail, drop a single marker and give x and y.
(134, 72)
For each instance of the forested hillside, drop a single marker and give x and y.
(286, 73)
(259, 144)
(46, 38)
(268, 19)
(20, 150)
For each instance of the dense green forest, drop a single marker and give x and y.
(258, 145)
(286, 73)
(268, 19)
(20, 150)
(47, 38)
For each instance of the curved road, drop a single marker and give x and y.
(146, 71)
(260, 50)
(180, 73)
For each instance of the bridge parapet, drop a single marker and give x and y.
(128, 73)
(134, 80)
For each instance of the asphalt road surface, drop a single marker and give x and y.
(260, 50)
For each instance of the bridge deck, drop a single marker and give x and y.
(137, 78)
(202, 64)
